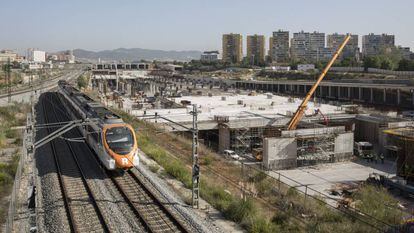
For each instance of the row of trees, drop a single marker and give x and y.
(388, 58)
(387, 63)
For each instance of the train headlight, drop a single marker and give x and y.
(136, 159)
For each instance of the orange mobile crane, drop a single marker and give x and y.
(302, 107)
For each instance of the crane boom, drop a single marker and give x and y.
(302, 107)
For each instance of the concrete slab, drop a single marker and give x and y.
(322, 177)
(238, 107)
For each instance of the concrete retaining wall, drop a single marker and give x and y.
(344, 146)
(279, 153)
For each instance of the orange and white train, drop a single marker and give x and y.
(113, 140)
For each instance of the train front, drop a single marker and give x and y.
(121, 144)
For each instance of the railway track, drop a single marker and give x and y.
(137, 192)
(84, 215)
(156, 216)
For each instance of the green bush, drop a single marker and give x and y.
(292, 192)
(377, 202)
(5, 178)
(261, 225)
(9, 133)
(207, 160)
(240, 210)
(264, 187)
(215, 195)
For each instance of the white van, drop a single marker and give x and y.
(231, 154)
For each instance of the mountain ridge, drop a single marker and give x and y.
(136, 54)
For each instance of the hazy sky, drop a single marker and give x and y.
(189, 24)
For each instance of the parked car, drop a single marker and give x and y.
(231, 154)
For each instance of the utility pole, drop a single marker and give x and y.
(117, 78)
(196, 166)
(8, 80)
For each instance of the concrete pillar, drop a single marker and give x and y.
(349, 93)
(329, 91)
(224, 138)
(384, 93)
(398, 96)
(372, 95)
(278, 88)
(412, 96)
(339, 92)
(360, 93)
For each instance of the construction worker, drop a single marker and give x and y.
(382, 158)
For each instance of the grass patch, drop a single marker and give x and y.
(13, 115)
(371, 200)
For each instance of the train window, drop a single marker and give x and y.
(120, 140)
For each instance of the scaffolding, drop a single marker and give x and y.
(244, 140)
(315, 149)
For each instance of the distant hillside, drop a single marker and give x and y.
(136, 54)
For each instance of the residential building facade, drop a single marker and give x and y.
(405, 52)
(232, 48)
(307, 46)
(279, 46)
(8, 55)
(373, 45)
(209, 56)
(256, 49)
(351, 49)
(36, 55)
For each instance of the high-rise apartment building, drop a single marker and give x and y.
(232, 48)
(351, 49)
(279, 46)
(307, 46)
(373, 45)
(405, 52)
(256, 49)
(270, 51)
(316, 40)
(299, 45)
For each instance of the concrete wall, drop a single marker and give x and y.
(224, 138)
(279, 153)
(313, 131)
(344, 146)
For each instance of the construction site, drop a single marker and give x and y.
(278, 132)
(299, 136)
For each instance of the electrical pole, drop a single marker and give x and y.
(196, 166)
(8, 69)
(116, 74)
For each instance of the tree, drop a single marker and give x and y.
(386, 64)
(82, 81)
(372, 62)
(406, 65)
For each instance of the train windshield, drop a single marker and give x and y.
(120, 140)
